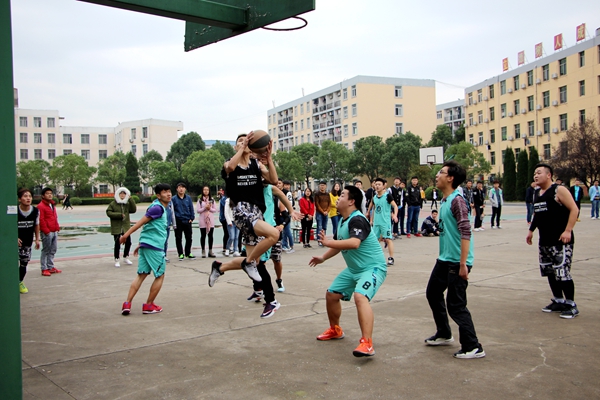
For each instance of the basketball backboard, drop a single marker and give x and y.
(431, 155)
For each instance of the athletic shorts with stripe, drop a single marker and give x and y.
(556, 261)
(151, 261)
(366, 283)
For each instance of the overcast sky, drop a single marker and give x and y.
(100, 66)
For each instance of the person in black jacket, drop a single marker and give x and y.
(414, 203)
(577, 193)
(479, 203)
(529, 201)
(398, 192)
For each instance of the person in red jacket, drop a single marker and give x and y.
(49, 228)
(307, 207)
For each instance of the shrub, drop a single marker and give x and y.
(55, 199)
(76, 201)
(428, 193)
(135, 198)
(153, 197)
(92, 201)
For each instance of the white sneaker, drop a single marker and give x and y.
(476, 230)
(226, 253)
(127, 261)
(493, 227)
(252, 271)
(117, 263)
(482, 229)
(499, 227)
(237, 254)
(290, 251)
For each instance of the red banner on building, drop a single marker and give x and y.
(581, 32)
(539, 50)
(505, 65)
(104, 195)
(558, 41)
(521, 57)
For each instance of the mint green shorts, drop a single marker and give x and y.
(385, 231)
(366, 283)
(151, 261)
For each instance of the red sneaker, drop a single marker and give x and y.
(364, 349)
(408, 235)
(126, 308)
(46, 272)
(332, 333)
(151, 308)
(418, 235)
(54, 270)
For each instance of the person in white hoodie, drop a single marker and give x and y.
(497, 200)
(118, 211)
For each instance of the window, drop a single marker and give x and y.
(517, 107)
(516, 82)
(354, 128)
(530, 78)
(23, 137)
(102, 139)
(546, 125)
(563, 122)
(503, 155)
(562, 94)
(37, 138)
(102, 154)
(530, 128)
(345, 94)
(546, 98)
(471, 138)
(582, 88)
(345, 112)
(50, 122)
(439, 115)
(480, 95)
(85, 138)
(295, 111)
(24, 154)
(398, 110)
(353, 90)
(399, 128)
(517, 131)
(145, 148)
(503, 110)
(354, 112)
(345, 130)
(37, 154)
(296, 126)
(480, 116)
(67, 152)
(23, 122)
(51, 154)
(562, 66)
(493, 157)
(581, 59)
(302, 109)
(545, 72)
(492, 114)
(269, 120)
(504, 136)
(480, 139)
(301, 124)
(492, 136)
(530, 103)
(547, 151)
(398, 92)
(103, 189)
(470, 119)
(517, 151)
(51, 138)
(581, 117)
(67, 138)
(502, 87)
(85, 154)
(145, 131)
(491, 91)
(133, 133)
(134, 149)
(37, 122)
(307, 122)
(470, 98)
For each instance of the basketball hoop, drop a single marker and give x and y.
(288, 29)
(430, 163)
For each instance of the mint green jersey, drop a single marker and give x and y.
(450, 238)
(369, 254)
(382, 209)
(269, 214)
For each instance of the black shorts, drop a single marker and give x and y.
(556, 261)
(24, 255)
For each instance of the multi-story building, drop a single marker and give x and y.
(451, 114)
(535, 104)
(40, 136)
(355, 108)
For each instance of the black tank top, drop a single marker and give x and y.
(26, 226)
(245, 184)
(551, 217)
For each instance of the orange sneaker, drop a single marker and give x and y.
(332, 333)
(364, 349)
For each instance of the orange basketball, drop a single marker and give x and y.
(260, 140)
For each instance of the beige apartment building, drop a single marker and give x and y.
(451, 114)
(39, 135)
(535, 104)
(353, 109)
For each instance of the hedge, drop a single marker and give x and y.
(135, 198)
(75, 201)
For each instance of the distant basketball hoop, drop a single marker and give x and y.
(431, 155)
(305, 22)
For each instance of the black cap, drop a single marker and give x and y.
(181, 184)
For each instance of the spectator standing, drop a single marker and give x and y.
(222, 200)
(334, 195)
(595, 198)
(206, 220)
(183, 208)
(434, 197)
(479, 203)
(322, 204)
(497, 200)
(398, 192)
(363, 203)
(288, 238)
(307, 208)
(413, 201)
(118, 211)
(529, 201)
(49, 227)
(232, 232)
(28, 221)
(577, 193)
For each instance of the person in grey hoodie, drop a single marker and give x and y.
(118, 211)
(497, 199)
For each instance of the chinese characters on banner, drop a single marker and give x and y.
(505, 65)
(581, 32)
(539, 50)
(558, 42)
(521, 57)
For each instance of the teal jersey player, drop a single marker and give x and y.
(384, 212)
(450, 236)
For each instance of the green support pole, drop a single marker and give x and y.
(11, 386)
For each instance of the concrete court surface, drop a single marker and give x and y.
(209, 343)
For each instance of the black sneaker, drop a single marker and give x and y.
(554, 307)
(439, 341)
(280, 287)
(569, 312)
(214, 273)
(256, 297)
(477, 352)
(270, 309)
(390, 261)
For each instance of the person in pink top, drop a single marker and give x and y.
(206, 208)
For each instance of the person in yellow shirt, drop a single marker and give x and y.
(333, 212)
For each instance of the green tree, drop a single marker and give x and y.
(71, 170)
(459, 134)
(111, 170)
(534, 159)
(203, 168)
(333, 162)
(401, 155)
(132, 177)
(163, 172)
(467, 155)
(183, 147)
(423, 173)
(442, 136)
(144, 165)
(308, 153)
(523, 179)
(225, 148)
(578, 153)
(367, 157)
(510, 175)
(33, 174)
(289, 166)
